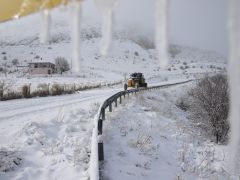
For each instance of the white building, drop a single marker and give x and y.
(41, 68)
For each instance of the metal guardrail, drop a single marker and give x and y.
(97, 148)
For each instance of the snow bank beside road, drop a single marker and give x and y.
(51, 135)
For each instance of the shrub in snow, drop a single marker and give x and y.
(1, 90)
(136, 53)
(211, 66)
(61, 64)
(183, 104)
(174, 51)
(12, 95)
(9, 160)
(42, 90)
(69, 89)
(210, 105)
(181, 67)
(4, 86)
(26, 91)
(57, 89)
(15, 62)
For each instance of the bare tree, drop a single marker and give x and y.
(61, 64)
(211, 105)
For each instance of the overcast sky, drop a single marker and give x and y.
(197, 23)
(200, 23)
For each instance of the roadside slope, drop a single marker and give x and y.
(150, 138)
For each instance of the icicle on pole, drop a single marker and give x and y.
(106, 32)
(234, 75)
(76, 35)
(161, 35)
(45, 26)
(106, 8)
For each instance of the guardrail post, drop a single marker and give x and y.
(115, 102)
(120, 99)
(110, 107)
(103, 114)
(100, 151)
(100, 126)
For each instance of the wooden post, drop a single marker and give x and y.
(29, 90)
(48, 88)
(116, 103)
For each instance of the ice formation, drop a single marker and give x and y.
(106, 8)
(45, 26)
(76, 11)
(161, 31)
(234, 74)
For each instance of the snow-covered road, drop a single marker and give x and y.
(14, 108)
(52, 135)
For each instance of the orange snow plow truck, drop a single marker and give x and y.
(136, 80)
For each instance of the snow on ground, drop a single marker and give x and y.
(150, 138)
(48, 138)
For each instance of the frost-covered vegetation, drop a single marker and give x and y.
(208, 105)
(7, 91)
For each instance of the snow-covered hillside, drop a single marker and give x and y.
(19, 40)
